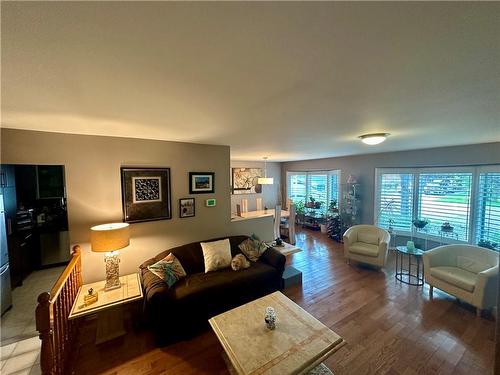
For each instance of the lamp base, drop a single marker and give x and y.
(112, 260)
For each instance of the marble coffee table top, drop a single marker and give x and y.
(299, 343)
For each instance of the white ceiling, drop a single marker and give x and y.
(288, 80)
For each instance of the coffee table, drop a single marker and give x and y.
(299, 343)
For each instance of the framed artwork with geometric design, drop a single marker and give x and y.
(146, 194)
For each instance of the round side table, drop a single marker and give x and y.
(414, 275)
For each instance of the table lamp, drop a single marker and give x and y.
(108, 239)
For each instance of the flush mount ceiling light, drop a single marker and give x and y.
(265, 180)
(373, 139)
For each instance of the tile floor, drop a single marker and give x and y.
(20, 345)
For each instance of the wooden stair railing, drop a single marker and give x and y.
(56, 331)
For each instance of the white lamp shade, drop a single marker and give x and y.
(109, 237)
(265, 180)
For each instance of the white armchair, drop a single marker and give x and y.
(467, 272)
(366, 244)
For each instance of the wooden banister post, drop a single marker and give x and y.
(77, 251)
(45, 333)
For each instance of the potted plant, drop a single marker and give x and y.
(488, 244)
(420, 223)
(390, 229)
(299, 212)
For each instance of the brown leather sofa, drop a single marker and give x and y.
(184, 309)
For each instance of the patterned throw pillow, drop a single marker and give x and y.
(253, 248)
(169, 269)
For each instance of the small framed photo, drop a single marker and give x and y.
(186, 207)
(201, 182)
(146, 194)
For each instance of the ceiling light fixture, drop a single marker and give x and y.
(373, 139)
(265, 180)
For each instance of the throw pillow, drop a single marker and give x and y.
(252, 249)
(216, 254)
(368, 238)
(169, 269)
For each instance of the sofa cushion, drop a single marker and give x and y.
(455, 276)
(364, 249)
(217, 254)
(367, 237)
(471, 265)
(169, 269)
(253, 248)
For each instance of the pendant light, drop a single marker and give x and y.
(265, 180)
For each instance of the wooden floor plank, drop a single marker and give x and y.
(390, 328)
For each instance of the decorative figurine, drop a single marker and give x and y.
(279, 241)
(270, 318)
(90, 298)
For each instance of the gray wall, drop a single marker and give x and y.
(92, 166)
(269, 193)
(363, 166)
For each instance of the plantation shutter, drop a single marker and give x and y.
(297, 188)
(445, 197)
(317, 188)
(488, 208)
(395, 201)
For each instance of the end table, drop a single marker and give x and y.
(109, 306)
(411, 276)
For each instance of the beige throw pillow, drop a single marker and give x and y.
(216, 254)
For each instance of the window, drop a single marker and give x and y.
(322, 186)
(467, 198)
(445, 197)
(488, 208)
(395, 200)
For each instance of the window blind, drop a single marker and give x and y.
(445, 197)
(317, 188)
(334, 187)
(297, 187)
(488, 208)
(394, 205)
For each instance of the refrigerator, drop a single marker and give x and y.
(6, 290)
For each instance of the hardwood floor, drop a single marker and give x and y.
(390, 328)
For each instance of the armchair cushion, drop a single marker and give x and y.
(364, 249)
(369, 238)
(471, 265)
(456, 276)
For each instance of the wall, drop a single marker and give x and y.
(269, 193)
(363, 166)
(92, 166)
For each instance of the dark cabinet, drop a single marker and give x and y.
(50, 181)
(7, 176)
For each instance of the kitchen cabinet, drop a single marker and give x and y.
(50, 181)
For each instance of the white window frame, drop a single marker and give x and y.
(475, 170)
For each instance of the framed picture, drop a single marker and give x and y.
(146, 194)
(201, 182)
(186, 207)
(245, 180)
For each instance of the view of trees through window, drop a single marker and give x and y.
(444, 199)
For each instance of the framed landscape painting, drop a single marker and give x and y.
(146, 194)
(245, 180)
(201, 182)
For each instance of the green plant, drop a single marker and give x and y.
(299, 208)
(420, 223)
(488, 244)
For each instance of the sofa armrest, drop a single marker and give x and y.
(274, 258)
(485, 292)
(350, 236)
